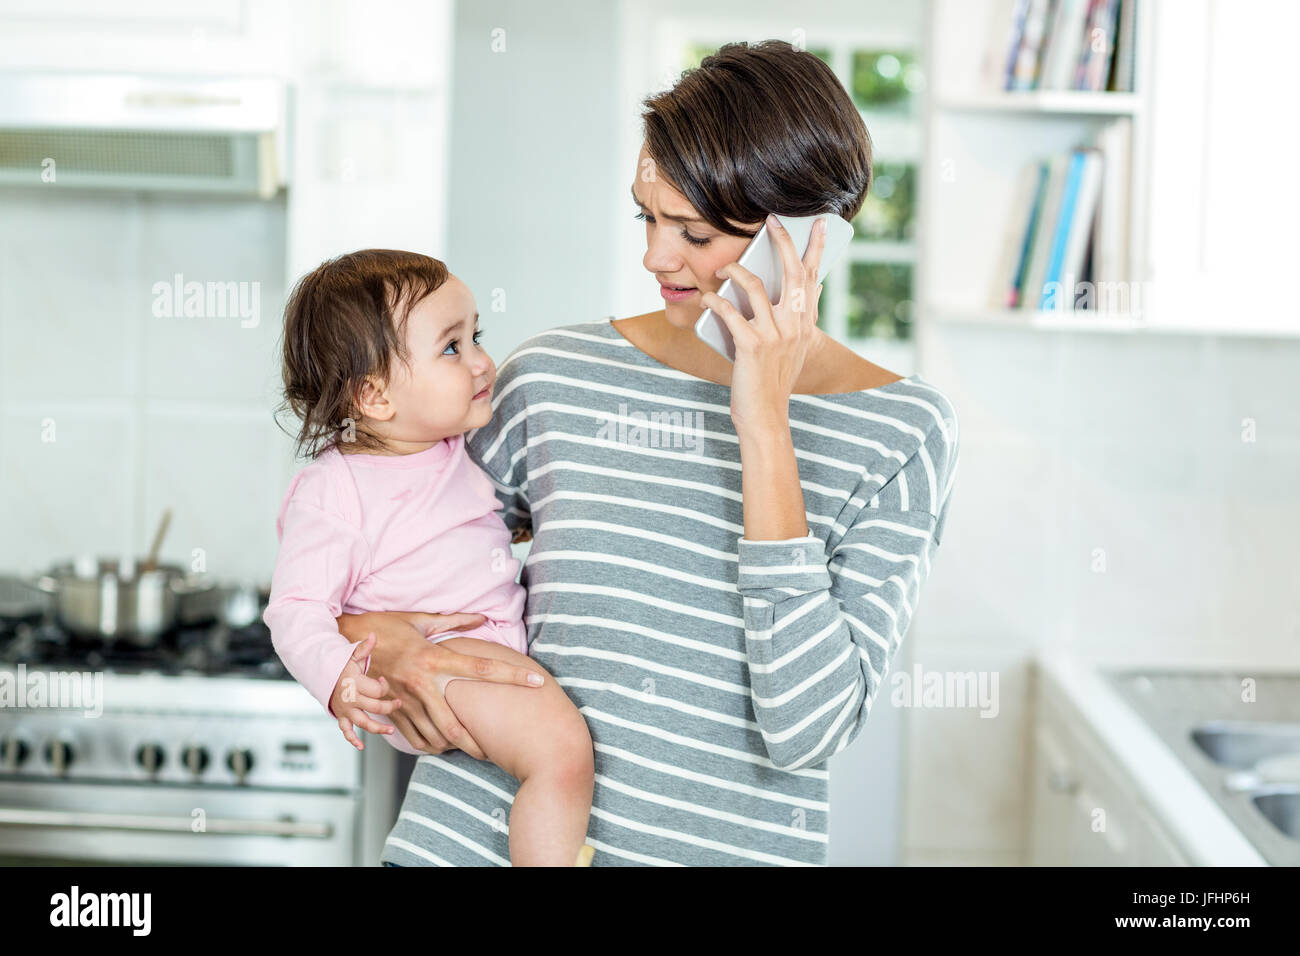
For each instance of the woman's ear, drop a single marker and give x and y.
(372, 400)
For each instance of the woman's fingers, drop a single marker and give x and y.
(454, 732)
(793, 289)
(428, 624)
(414, 737)
(742, 332)
(812, 263)
(755, 291)
(485, 668)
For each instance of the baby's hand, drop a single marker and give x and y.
(355, 694)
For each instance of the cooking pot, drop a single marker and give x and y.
(105, 600)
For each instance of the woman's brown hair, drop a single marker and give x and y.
(344, 321)
(760, 128)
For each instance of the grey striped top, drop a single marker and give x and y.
(717, 674)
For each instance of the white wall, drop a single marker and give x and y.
(144, 412)
(532, 164)
(1130, 495)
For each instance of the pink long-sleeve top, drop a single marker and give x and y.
(387, 533)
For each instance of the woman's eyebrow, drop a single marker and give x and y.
(666, 215)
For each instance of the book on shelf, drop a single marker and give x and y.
(1083, 45)
(1069, 226)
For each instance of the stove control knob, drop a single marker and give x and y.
(195, 759)
(240, 761)
(13, 752)
(60, 755)
(151, 757)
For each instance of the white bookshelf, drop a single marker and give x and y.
(980, 142)
(1200, 242)
(1046, 101)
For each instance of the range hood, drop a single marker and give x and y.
(143, 132)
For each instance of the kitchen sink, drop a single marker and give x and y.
(1220, 726)
(1242, 744)
(1281, 807)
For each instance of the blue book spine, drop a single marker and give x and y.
(1022, 263)
(1056, 260)
(1017, 32)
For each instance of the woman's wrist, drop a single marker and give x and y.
(767, 431)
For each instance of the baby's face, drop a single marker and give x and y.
(447, 388)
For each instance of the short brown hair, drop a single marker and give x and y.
(344, 321)
(760, 128)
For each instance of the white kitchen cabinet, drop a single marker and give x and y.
(227, 37)
(1084, 811)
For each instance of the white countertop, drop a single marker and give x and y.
(1203, 831)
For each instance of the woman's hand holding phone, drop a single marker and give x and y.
(771, 348)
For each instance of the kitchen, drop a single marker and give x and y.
(1105, 666)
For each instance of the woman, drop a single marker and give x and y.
(725, 558)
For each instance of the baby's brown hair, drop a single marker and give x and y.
(344, 321)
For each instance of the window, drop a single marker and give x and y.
(867, 298)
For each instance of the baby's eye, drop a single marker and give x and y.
(452, 344)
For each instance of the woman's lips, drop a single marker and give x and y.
(676, 295)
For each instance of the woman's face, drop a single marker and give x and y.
(682, 249)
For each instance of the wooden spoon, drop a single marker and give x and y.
(151, 561)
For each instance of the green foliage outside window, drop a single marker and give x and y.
(880, 300)
(885, 79)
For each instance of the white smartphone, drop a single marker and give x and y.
(762, 258)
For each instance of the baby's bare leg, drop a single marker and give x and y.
(538, 737)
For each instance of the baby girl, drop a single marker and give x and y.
(383, 367)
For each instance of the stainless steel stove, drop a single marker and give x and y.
(201, 750)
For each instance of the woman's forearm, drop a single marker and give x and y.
(773, 498)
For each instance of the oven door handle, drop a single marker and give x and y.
(56, 819)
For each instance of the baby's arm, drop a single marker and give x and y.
(322, 556)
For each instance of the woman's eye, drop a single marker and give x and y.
(693, 240)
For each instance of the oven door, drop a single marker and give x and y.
(104, 824)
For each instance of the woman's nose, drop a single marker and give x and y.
(659, 255)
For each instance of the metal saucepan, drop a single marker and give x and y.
(134, 605)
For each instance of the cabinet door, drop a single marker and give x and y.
(1085, 810)
(156, 36)
(1051, 800)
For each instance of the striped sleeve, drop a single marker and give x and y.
(500, 447)
(821, 630)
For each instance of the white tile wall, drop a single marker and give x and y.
(148, 412)
(1071, 442)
